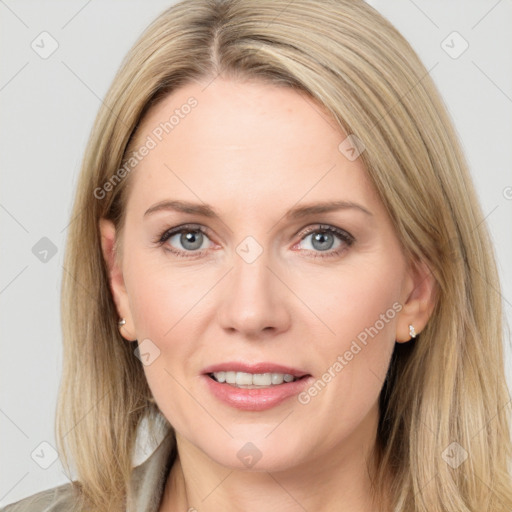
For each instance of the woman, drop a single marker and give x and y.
(237, 139)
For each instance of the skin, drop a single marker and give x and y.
(253, 151)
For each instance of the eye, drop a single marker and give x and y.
(323, 238)
(184, 239)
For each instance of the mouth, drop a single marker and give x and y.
(248, 380)
(254, 386)
(254, 375)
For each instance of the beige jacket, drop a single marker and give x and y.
(147, 487)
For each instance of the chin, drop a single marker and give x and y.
(256, 455)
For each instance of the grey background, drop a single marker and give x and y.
(48, 106)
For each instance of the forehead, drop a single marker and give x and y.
(250, 142)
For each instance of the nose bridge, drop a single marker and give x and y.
(254, 301)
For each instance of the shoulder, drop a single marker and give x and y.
(146, 486)
(58, 499)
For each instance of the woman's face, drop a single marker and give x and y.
(252, 271)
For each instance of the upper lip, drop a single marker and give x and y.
(262, 367)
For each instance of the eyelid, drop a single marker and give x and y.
(342, 233)
(182, 227)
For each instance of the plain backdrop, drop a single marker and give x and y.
(48, 103)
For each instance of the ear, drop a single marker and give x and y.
(115, 277)
(420, 291)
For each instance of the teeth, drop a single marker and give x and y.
(261, 379)
(243, 379)
(277, 378)
(220, 376)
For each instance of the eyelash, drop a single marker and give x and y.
(343, 235)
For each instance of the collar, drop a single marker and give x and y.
(148, 479)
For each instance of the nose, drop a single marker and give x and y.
(255, 301)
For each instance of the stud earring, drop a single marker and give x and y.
(412, 331)
(121, 322)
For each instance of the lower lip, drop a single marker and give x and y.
(255, 399)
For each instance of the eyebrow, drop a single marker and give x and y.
(298, 212)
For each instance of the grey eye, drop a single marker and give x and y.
(322, 241)
(190, 240)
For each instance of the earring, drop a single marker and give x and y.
(412, 331)
(121, 322)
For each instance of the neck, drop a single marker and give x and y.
(337, 481)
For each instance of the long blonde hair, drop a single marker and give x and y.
(445, 394)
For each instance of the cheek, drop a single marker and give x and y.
(168, 305)
(359, 308)
(162, 296)
(356, 301)
(164, 306)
